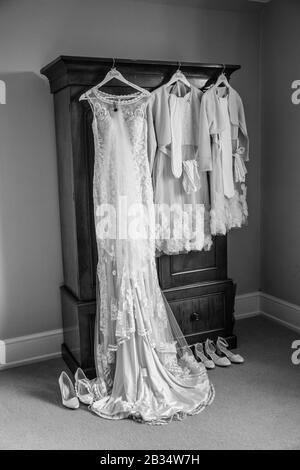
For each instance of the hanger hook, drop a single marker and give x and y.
(224, 68)
(179, 65)
(114, 62)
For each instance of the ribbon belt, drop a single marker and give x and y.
(240, 169)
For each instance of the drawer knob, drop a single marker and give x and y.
(195, 316)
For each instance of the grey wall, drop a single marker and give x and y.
(32, 33)
(281, 152)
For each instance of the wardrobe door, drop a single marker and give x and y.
(194, 267)
(83, 165)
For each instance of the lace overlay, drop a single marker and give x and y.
(145, 369)
(227, 213)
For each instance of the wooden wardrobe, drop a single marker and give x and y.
(195, 284)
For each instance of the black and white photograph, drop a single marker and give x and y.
(149, 228)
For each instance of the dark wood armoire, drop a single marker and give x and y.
(195, 284)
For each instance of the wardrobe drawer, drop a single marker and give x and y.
(203, 311)
(196, 266)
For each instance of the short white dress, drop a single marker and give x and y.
(224, 138)
(180, 181)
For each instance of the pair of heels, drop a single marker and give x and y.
(212, 355)
(70, 395)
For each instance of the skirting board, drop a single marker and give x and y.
(247, 305)
(47, 345)
(260, 303)
(285, 313)
(32, 348)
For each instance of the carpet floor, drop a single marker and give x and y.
(257, 405)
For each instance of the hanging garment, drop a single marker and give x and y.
(224, 139)
(145, 370)
(179, 177)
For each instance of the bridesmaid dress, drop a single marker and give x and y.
(180, 178)
(224, 140)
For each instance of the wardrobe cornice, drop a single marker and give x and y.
(82, 72)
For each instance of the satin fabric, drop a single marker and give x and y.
(146, 391)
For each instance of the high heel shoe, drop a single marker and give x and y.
(222, 347)
(83, 387)
(199, 352)
(210, 351)
(68, 395)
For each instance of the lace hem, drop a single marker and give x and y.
(229, 213)
(180, 230)
(177, 247)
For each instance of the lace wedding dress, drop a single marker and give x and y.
(145, 370)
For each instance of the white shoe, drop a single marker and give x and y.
(83, 387)
(210, 351)
(222, 346)
(209, 364)
(68, 395)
